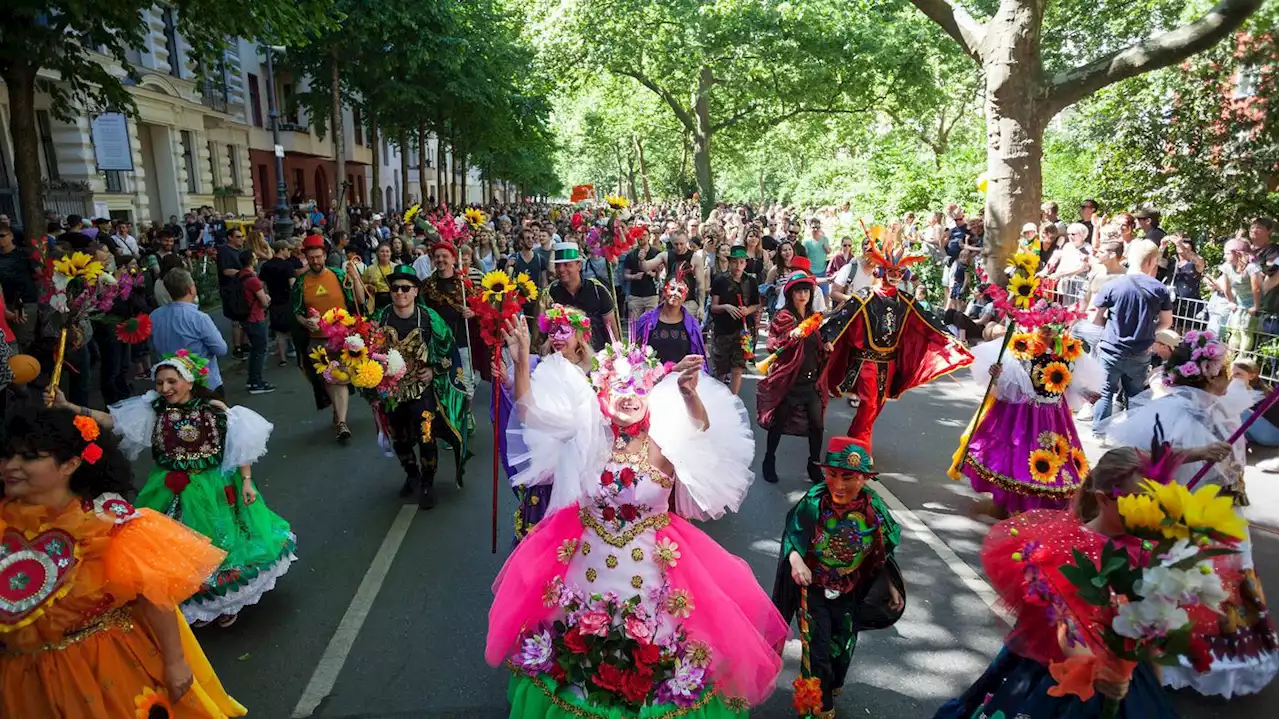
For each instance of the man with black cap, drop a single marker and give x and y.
(1088, 210)
(429, 402)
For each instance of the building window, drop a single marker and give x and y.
(189, 161)
(255, 99)
(46, 144)
(360, 188)
(290, 112)
(213, 163)
(171, 42)
(298, 185)
(385, 152)
(232, 162)
(115, 181)
(357, 126)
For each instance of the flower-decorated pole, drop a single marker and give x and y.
(807, 698)
(1258, 411)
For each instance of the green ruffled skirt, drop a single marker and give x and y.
(258, 542)
(540, 698)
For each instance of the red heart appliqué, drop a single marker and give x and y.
(32, 571)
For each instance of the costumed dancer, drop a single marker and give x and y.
(430, 401)
(1052, 621)
(89, 627)
(789, 400)
(689, 631)
(568, 333)
(883, 343)
(204, 452)
(837, 546)
(445, 291)
(1202, 409)
(1025, 451)
(671, 329)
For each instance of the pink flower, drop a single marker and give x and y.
(1188, 369)
(638, 629)
(594, 622)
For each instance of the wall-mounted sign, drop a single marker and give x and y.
(111, 142)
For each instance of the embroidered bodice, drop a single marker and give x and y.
(843, 541)
(188, 437)
(1050, 376)
(633, 496)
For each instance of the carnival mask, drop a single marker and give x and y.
(675, 292)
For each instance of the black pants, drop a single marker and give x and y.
(800, 396)
(302, 343)
(406, 435)
(113, 368)
(833, 637)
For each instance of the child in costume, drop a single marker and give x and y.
(1202, 409)
(838, 539)
(689, 631)
(1018, 681)
(202, 477)
(89, 627)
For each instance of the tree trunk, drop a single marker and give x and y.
(1015, 131)
(462, 178)
(644, 170)
(404, 170)
(26, 147)
(422, 164)
(339, 148)
(376, 168)
(702, 142)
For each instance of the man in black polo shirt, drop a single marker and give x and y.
(643, 292)
(231, 259)
(735, 300)
(589, 296)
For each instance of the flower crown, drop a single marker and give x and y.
(624, 363)
(193, 368)
(1199, 357)
(89, 431)
(1024, 299)
(559, 315)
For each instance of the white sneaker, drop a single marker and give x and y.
(1085, 414)
(1270, 465)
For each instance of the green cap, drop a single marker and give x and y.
(845, 454)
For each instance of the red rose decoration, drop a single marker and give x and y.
(557, 673)
(574, 642)
(606, 479)
(609, 678)
(91, 453)
(231, 495)
(609, 514)
(176, 480)
(628, 477)
(636, 686)
(1198, 654)
(628, 512)
(646, 655)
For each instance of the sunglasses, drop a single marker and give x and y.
(402, 288)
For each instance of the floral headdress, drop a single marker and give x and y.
(1024, 299)
(89, 431)
(193, 368)
(626, 367)
(558, 315)
(1197, 359)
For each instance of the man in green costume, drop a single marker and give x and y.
(836, 544)
(430, 401)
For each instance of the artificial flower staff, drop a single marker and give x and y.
(883, 343)
(1199, 414)
(202, 477)
(89, 625)
(627, 455)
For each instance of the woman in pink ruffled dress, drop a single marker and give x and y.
(615, 603)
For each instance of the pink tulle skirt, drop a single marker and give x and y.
(731, 613)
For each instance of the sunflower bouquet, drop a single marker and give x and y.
(500, 298)
(356, 352)
(83, 290)
(1024, 300)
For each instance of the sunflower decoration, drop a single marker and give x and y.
(475, 218)
(354, 352)
(1044, 466)
(79, 265)
(1023, 290)
(411, 213)
(1070, 348)
(1060, 445)
(496, 285)
(339, 316)
(1055, 377)
(1025, 261)
(1079, 462)
(366, 374)
(528, 288)
(151, 704)
(320, 358)
(1026, 345)
(617, 202)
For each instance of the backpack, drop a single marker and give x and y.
(235, 304)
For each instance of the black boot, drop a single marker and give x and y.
(815, 473)
(410, 478)
(427, 499)
(769, 470)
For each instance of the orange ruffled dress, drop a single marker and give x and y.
(73, 643)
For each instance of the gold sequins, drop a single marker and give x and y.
(586, 548)
(637, 581)
(655, 521)
(637, 554)
(591, 574)
(611, 561)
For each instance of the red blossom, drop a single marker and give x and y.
(606, 479)
(636, 686)
(609, 514)
(627, 477)
(574, 642)
(175, 480)
(557, 673)
(608, 677)
(628, 512)
(646, 655)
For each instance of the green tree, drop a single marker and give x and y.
(54, 46)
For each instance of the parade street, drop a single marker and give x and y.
(384, 615)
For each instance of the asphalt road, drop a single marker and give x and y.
(384, 614)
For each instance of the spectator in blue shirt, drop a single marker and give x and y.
(1131, 309)
(181, 324)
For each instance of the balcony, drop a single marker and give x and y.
(213, 95)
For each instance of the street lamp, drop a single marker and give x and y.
(283, 223)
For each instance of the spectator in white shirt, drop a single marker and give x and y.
(123, 243)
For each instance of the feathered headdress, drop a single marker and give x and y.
(888, 254)
(624, 367)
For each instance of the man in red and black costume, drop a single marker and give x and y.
(883, 343)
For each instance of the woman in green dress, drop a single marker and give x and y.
(202, 476)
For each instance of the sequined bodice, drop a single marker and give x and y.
(1050, 377)
(188, 437)
(632, 493)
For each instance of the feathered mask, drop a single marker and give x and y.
(889, 254)
(558, 316)
(676, 287)
(626, 368)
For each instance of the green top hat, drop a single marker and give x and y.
(737, 252)
(404, 272)
(566, 252)
(846, 455)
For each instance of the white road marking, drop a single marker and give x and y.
(971, 579)
(344, 637)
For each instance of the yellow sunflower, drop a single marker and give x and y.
(412, 212)
(475, 217)
(496, 285)
(1140, 512)
(1025, 261)
(354, 357)
(1044, 466)
(79, 264)
(150, 703)
(1060, 445)
(528, 288)
(1080, 462)
(320, 357)
(1055, 376)
(617, 202)
(1023, 290)
(366, 374)
(1025, 345)
(1072, 348)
